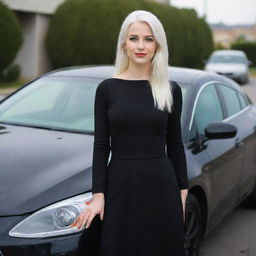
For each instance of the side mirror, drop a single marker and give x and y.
(205, 61)
(220, 130)
(249, 62)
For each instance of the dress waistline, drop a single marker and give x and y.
(138, 157)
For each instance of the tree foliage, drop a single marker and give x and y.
(84, 32)
(249, 48)
(11, 36)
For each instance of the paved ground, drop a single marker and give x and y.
(250, 89)
(235, 236)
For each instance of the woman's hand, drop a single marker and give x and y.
(184, 193)
(95, 207)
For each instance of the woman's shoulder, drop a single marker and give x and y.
(104, 83)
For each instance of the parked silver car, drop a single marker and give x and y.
(231, 63)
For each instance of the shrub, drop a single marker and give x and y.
(249, 48)
(11, 36)
(11, 73)
(84, 32)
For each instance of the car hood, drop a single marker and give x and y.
(39, 167)
(226, 67)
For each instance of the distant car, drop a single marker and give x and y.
(231, 63)
(46, 146)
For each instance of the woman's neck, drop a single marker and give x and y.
(137, 72)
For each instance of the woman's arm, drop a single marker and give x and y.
(175, 147)
(101, 149)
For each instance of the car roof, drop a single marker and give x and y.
(179, 74)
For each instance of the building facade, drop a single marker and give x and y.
(34, 17)
(226, 35)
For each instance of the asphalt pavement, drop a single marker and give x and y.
(250, 89)
(234, 236)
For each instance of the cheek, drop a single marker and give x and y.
(130, 45)
(152, 48)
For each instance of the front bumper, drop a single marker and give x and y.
(240, 77)
(85, 243)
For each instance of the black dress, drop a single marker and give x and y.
(143, 213)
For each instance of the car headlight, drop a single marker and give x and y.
(54, 220)
(241, 72)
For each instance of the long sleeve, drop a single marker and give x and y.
(101, 148)
(175, 147)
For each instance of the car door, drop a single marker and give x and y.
(225, 158)
(240, 114)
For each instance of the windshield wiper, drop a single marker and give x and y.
(27, 125)
(47, 128)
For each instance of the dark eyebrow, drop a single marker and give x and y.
(145, 36)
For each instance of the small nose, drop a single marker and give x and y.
(141, 44)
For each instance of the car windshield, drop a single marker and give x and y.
(58, 103)
(227, 58)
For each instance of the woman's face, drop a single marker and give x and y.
(140, 44)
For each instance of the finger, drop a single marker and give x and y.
(102, 214)
(82, 217)
(75, 222)
(90, 220)
(87, 215)
(78, 220)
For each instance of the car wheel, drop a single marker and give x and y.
(193, 226)
(250, 201)
(244, 80)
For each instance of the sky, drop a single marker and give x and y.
(229, 12)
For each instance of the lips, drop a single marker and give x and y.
(140, 54)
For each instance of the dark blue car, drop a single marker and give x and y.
(46, 145)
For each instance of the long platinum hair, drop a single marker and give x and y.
(161, 89)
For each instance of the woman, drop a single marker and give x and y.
(141, 194)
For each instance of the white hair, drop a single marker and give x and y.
(161, 89)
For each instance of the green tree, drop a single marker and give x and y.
(84, 32)
(11, 36)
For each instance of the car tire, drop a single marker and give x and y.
(250, 201)
(193, 226)
(244, 80)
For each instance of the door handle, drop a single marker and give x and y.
(239, 143)
(254, 129)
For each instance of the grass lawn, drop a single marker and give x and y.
(13, 84)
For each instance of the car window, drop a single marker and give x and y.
(207, 110)
(231, 99)
(243, 100)
(184, 91)
(60, 103)
(227, 58)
